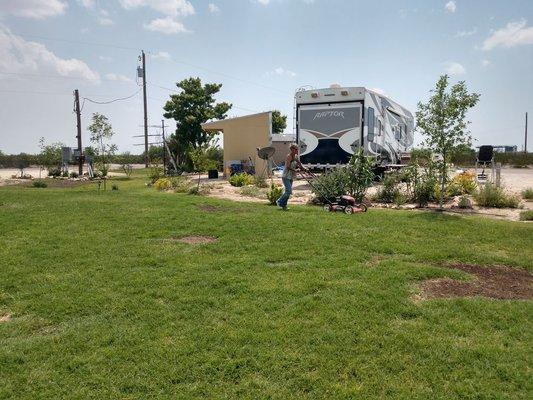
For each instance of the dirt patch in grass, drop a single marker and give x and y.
(197, 239)
(209, 208)
(5, 318)
(496, 282)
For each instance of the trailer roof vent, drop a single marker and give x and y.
(334, 86)
(344, 93)
(314, 95)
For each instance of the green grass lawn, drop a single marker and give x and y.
(304, 304)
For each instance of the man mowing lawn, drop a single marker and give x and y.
(292, 164)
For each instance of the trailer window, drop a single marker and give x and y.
(371, 124)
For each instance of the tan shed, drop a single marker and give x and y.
(241, 136)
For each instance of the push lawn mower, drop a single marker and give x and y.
(345, 203)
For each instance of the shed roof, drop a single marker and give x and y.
(219, 124)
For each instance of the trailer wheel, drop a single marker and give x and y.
(328, 208)
(348, 210)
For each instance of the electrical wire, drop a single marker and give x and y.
(114, 100)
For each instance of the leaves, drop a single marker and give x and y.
(279, 122)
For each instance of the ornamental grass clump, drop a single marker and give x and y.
(490, 195)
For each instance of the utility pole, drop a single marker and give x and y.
(164, 147)
(146, 159)
(78, 126)
(525, 139)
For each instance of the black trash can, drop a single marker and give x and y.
(212, 174)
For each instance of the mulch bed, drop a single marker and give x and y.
(496, 282)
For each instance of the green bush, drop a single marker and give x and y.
(493, 196)
(114, 186)
(39, 184)
(202, 190)
(260, 182)
(359, 175)
(155, 173)
(526, 215)
(241, 179)
(74, 174)
(54, 172)
(464, 202)
(389, 191)
(528, 194)
(330, 184)
(177, 184)
(274, 193)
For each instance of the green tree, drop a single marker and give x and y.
(50, 155)
(279, 122)
(442, 120)
(191, 108)
(101, 133)
(22, 161)
(360, 174)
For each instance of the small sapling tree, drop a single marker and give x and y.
(442, 120)
(101, 132)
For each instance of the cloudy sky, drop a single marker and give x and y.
(262, 51)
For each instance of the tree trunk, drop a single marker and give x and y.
(442, 181)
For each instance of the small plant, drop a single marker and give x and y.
(359, 174)
(202, 190)
(39, 184)
(464, 202)
(163, 184)
(400, 199)
(155, 173)
(128, 169)
(493, 196)
(466, 182)
(64, 174)
(250, 191)
(74, 174)
(526, 215)
(528, 194)
(260, 182)
(54, 172)
(241, 179)
(114, 186)
(389, 190)
(274, 193)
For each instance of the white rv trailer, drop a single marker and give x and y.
(331, 124)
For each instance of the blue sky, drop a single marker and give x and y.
(261, 51)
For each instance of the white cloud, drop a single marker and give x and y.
(161, 55)
(87, 3)
(402, 13)
(105, 21)
(213, 8)
(21, 56)
(105, 58)
(471, 32)
(485, 63)
(36, 9)
(166, 25)
(118, 78)
(514, 34)
(171, 8)
(454, 68)
(281, 72)
(263, 2)
(450, 6)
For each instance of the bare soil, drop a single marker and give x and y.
(5, 318)
(496, 282)
(197, 239)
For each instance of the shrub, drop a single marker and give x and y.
(466, 182)
(389, 190)
(464, 202)
(359, 175)
(74, 174)
(528, 194)
(274, 193)
(155, 173)
(128, 169)
(39, 184)
(199, 190)
(526, 215)
(330, 184)
(400, 199)
(241, 179)
(490, 195)
(64, 174)
(114, 186)
(260, 181)
(163, 184)
(250, 191)
(54, 172)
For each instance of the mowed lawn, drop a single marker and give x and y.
(105, 303)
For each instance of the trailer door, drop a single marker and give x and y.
(329, 133)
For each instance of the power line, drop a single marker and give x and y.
(114, 100)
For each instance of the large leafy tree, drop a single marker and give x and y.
(50, 155)
(442, 120)
(279, 122)
(192, 107)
